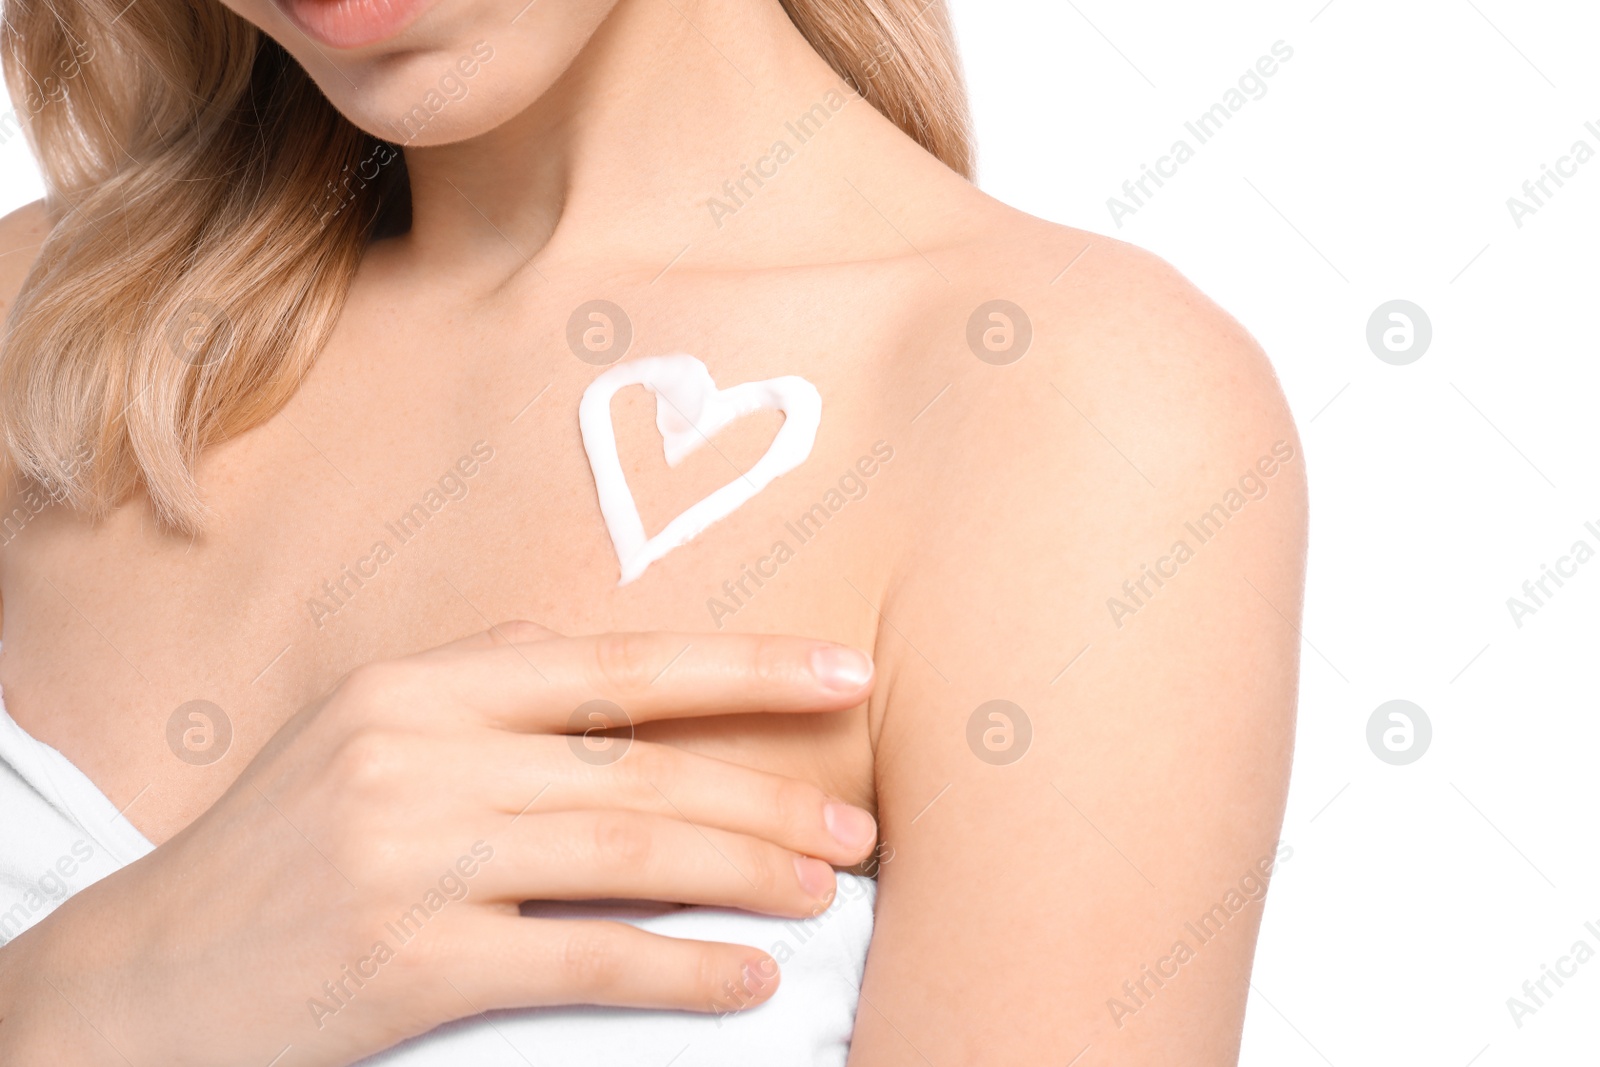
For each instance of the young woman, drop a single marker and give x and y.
(292, 375)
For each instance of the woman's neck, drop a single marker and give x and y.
(638, 154)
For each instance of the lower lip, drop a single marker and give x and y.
(346, 24)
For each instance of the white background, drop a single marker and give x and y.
(1376, 167)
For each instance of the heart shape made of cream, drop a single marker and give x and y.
(690, 410)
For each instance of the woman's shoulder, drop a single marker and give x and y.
(1087, 421)
(1079, 370)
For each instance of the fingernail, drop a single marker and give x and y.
(841, 668)
(760, 976)
(816, 877)
(850, 826)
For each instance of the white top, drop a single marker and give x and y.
(59, 833)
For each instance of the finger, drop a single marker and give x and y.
(623, 855)
(519, 962)
(645, 676)
(542, 774)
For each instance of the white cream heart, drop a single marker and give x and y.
(690, 409)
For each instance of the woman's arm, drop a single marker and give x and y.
(1100, 895)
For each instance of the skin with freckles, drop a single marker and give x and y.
(967, 515)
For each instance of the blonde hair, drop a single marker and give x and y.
(210, 207)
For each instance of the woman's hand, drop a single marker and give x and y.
(359, 883)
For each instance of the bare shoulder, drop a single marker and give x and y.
(1085, 376)
(22, 233)
(1063, 329)
(1089, 406)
